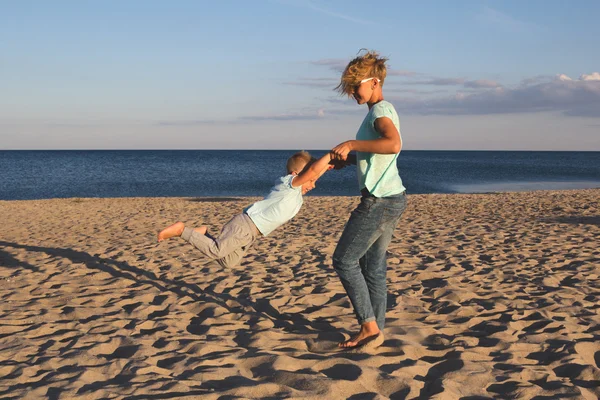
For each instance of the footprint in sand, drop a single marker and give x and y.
(322, 346)
(328, 346)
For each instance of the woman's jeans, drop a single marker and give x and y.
(360, 256)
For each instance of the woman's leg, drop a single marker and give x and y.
(374, 269)
(360, 233)
(374, 262)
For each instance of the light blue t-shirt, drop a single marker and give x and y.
(281, 204)
(378, 172)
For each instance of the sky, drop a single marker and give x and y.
(260, 74)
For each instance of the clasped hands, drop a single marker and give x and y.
(340, 157)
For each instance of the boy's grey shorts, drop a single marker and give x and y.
(230, 245)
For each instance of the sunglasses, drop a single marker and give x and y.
(363, 81)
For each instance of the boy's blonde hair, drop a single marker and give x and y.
(298, 162)
(368, 65)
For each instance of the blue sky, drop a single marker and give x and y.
(236, 74)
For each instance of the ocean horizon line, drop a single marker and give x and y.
(307, 149)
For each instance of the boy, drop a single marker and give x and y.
(281, 204)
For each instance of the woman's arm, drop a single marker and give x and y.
(389, 142)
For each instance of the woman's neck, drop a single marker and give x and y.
(375, 100)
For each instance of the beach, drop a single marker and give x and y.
(489, 296)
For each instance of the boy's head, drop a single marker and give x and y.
(367, 67)
(298, 162)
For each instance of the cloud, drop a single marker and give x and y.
(314, 82)
(335, 14)
(284, 117)
(475, 84)
(189, 122)
(336, 64)
(492, 17)
(394, 72)
(305, 115)
(563, 77)
(562, 94)
(481, 83)
(534, 80)
(594, 76)
(439, 82)
(339, 65)
(312, 6)
(394, 88)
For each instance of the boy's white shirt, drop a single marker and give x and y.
(284, 200)
(281, 204)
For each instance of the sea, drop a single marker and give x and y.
(26, 175)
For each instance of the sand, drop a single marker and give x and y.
(490, 296)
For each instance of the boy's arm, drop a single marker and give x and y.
(313, 172)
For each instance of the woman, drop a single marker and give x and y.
(360, 256)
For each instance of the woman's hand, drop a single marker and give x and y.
(338, 164)
(340, 152)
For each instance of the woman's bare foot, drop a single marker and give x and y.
(174, 230)
(368, 332)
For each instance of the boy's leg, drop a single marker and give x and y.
(233, 258)
(234, 235)
(170, 231)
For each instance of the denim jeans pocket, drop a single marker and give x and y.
(366, 203)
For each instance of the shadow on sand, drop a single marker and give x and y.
(575, 220)
(296, 322)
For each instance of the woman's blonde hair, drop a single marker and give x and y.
(299, 161)
(367, 65)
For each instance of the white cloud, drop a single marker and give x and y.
(558, 94)
(570, 97)
(594, 76)
(563, 77)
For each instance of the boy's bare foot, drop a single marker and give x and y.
(174, 230)
(202, 230)
(368, 331)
